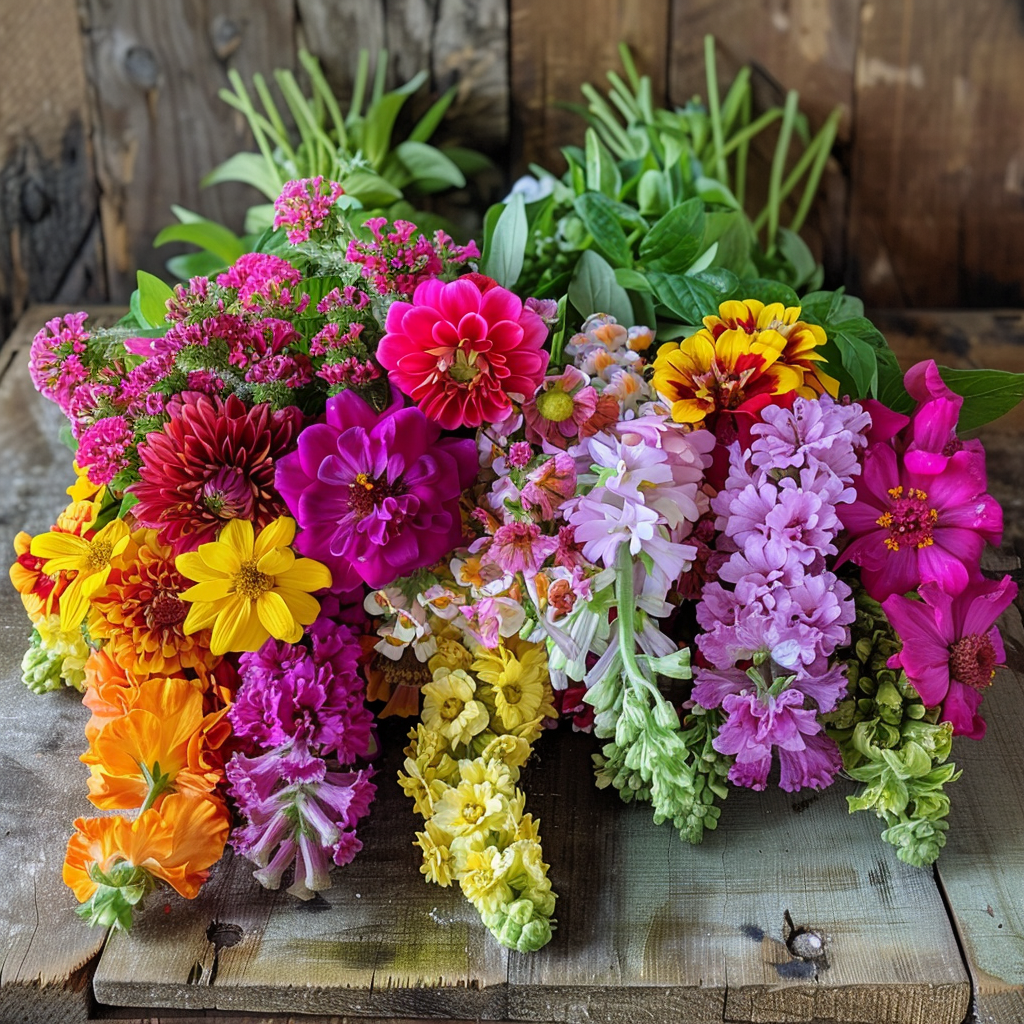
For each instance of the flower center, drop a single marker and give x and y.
(451, 709)
(472, 813)
(513, 693)
(972, 660)
(99, 554)
(464, 368)
(166, 609)
(555, 405)
(228, 494)
(365, 495)
(250, 582)
(910, 521)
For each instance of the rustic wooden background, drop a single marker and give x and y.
(109, 113)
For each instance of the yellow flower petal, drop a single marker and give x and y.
(277, 618)
(74, 606)
(278, 534)
(306, 574)
(114, 532)
(773, 311)
(94, 582)
(208, 591)
(59, 545)
(690, 410)
(200, 616)
(238, 534)
(302, 606)
(276, 562)
(231, 629)
(221, 558)
(191, 565)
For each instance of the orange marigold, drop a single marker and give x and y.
(141, 613)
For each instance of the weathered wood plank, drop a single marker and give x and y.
(981, 870)
(935, 215)
(807, 45)
(159, 126)
(45, 951)
(49, 240)
(557, 47)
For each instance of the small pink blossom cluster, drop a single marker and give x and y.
(304, 206)
(396, 262)
(769, 637)
(56, 359)
(300, 711)
(920, 523)
(265, 283)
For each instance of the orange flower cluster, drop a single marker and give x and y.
(158, 699)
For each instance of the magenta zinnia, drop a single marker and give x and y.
(212, 462)
(376, 494)
(951, 647)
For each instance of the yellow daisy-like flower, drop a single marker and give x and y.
(88, 559)
(450, 654)
(519, 675)
(250, 588)
(83, 489)
(449, 707)
(438, 864)
(741, 358)
(495, 773)
(514, 751)
(470, 809)
(484, 882)
(69, 646)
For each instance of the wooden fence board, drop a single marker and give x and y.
(45, 951)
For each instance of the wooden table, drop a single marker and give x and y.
(649, 929)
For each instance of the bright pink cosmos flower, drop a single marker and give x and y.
(910, 527)
(951, 647)
(464, 353)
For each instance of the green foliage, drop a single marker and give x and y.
(502, 257)
(987, 394)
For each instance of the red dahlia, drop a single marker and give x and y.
(213, 461)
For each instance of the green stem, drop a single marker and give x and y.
(744, 136)
(716, 113)
(742, 153)
(779, 167)
(825, 138)
(625, 600)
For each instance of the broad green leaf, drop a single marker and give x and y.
(186, 216)
(652, 193)
(469, 161)
(696, 296)
(798, 255)
(603, 225)
(427, 124)
(827, 307)
(987, 394)
(713, 191)
(504, 258)
(414, 162)
(675, 239)
(602, 173)
(195, 264)
(370, 189)
(375, 137)
(207, 235)
(153, 295)
(703, 261)
(259, 218)
(633, 280)
(858, 355)
(593, 289)
(731, 230)
(249, 169)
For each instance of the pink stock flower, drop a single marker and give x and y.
(909, 527)
(951, 647)
(263, 280)
(103, 448)
(303, 207)
(55, 363)
(464, 354)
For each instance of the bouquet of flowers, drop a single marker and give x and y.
(623, 469)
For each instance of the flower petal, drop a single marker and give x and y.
(278, 534)
(277, 618)
(59, 545)
(238, 534)
(221, 558)
(306, 574)
(208, 591)
(232, 625)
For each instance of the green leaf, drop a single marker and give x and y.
(799, 256)
(653, 193)
(593, 289)
(153, 295)
(206, 234)
(413, 162)
(825, 307)
(66, 437)
(186, 216)
(259, 218)
(373, 191)
(634, 280)
(427, 124)
(987, 394)
(602, 173)
(378, 126)
(731, 230)
(469, 161)
(504, 258)
(857, 353)
(675, 239)
(126, 503)
(703, 261)
(601, 222)
(767, 291)
(249, 169)
(713, 191)
(692, 297)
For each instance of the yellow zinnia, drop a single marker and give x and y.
(739, 360)
(88, 559)
(519, 674)
(449, 707)
(249, 588)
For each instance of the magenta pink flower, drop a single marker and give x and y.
(103, 448)
(55, 363)
(462, 353)
(303, 206)
(562, 406)
(909, 528)
(520, 547)
(951, 647)
(264, 281)
(376, 494)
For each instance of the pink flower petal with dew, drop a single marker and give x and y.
(938, 564)
(960, 709)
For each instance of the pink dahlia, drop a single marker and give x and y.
(951, 647)
(376, 494)
(464, 351)
(212, 461)
(910, 528)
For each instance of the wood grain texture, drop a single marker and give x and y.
(557, 47)
(155, 70)
(807, 45)
(50, 248)
(45, 950)
(938, 165)
(982, 868)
